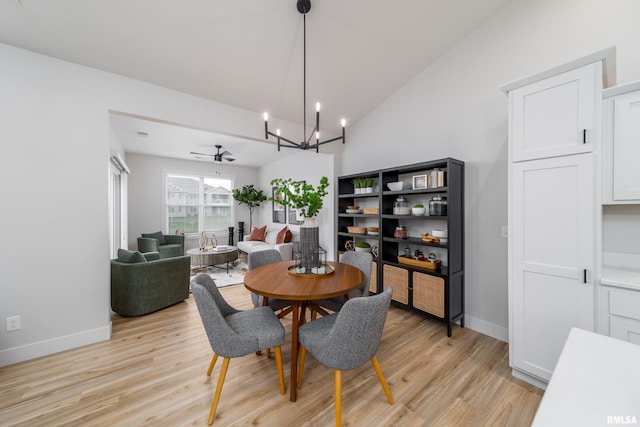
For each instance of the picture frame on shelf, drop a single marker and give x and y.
(420, 182)
(279, 211)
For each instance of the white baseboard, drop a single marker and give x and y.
(487, 328)
(44, 348)
(529, 379)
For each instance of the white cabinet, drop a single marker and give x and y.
(621, 304)
(552, 258)
(555, 124)
(622, 137)
(556, 116)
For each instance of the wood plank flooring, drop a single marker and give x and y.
(153, 372)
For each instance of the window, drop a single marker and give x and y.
(198, 203)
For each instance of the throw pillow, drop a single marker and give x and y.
(288, 237)
(130, 257)
(157, 235)
(258, 233)
(282, 236)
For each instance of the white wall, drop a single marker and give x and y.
(455, 109)
(146, 196)
(310, 167)
(55, 140)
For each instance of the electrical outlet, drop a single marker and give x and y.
(13, 323)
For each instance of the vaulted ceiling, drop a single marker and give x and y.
(248, 54)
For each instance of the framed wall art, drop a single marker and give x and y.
(279, 210)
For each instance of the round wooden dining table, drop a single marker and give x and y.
(275, 281)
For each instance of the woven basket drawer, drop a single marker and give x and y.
(398, 279)
(373, 281)
(428, 293)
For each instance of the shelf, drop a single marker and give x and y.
(364, 236)
(430, 217)
(356, 196)
(415, 241)
(441, 272)
(416, 191)
(412, 289)
(360, 215)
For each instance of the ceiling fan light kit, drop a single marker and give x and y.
(217, 157)
(303, 6)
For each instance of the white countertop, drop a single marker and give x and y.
(596, 378)
(622, 278)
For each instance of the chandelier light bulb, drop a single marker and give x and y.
(317, 135)
(344, 122)
(266, 116)
(278, 132)
(317, 106)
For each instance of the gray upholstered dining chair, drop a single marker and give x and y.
(258, 259)
(347, 340)
(234, 333)
(361, 260)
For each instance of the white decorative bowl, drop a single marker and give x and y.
(442, 234)
(363, 249)
(395, 186)
(418, 211)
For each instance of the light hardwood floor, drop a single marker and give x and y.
(153, 372)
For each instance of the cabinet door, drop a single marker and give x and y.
(552, 219)
(428, 293)
(398, 278)
(624, 329)
(626, 147)
(556, 116)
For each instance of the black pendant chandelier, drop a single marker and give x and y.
(304, 6)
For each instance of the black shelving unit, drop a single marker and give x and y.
(436, 293)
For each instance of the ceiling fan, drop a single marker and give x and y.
(217, 158)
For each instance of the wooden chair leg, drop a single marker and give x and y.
(280, 370)
(216, 397)
(385, 387)
(337, 383)
(213, 362)
(303, 354)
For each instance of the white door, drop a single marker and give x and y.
(626, 147)
(556, 116)
(551, 288)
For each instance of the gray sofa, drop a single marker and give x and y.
(141, 284)
(168, 245)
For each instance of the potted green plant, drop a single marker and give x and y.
(367, 185)
(307, 200)
(363, 247)
(250, 196)
(418, 209)
(357, 184)
(303, 197)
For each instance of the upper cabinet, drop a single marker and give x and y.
(622, 144)
(556, 116)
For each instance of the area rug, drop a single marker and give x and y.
(221, 277)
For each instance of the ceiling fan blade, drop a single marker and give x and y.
(229, 160)
(226, 153)
(201, 154)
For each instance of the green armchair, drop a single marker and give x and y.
(168, 245)
(142, 284)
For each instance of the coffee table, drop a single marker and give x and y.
(214, 257)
